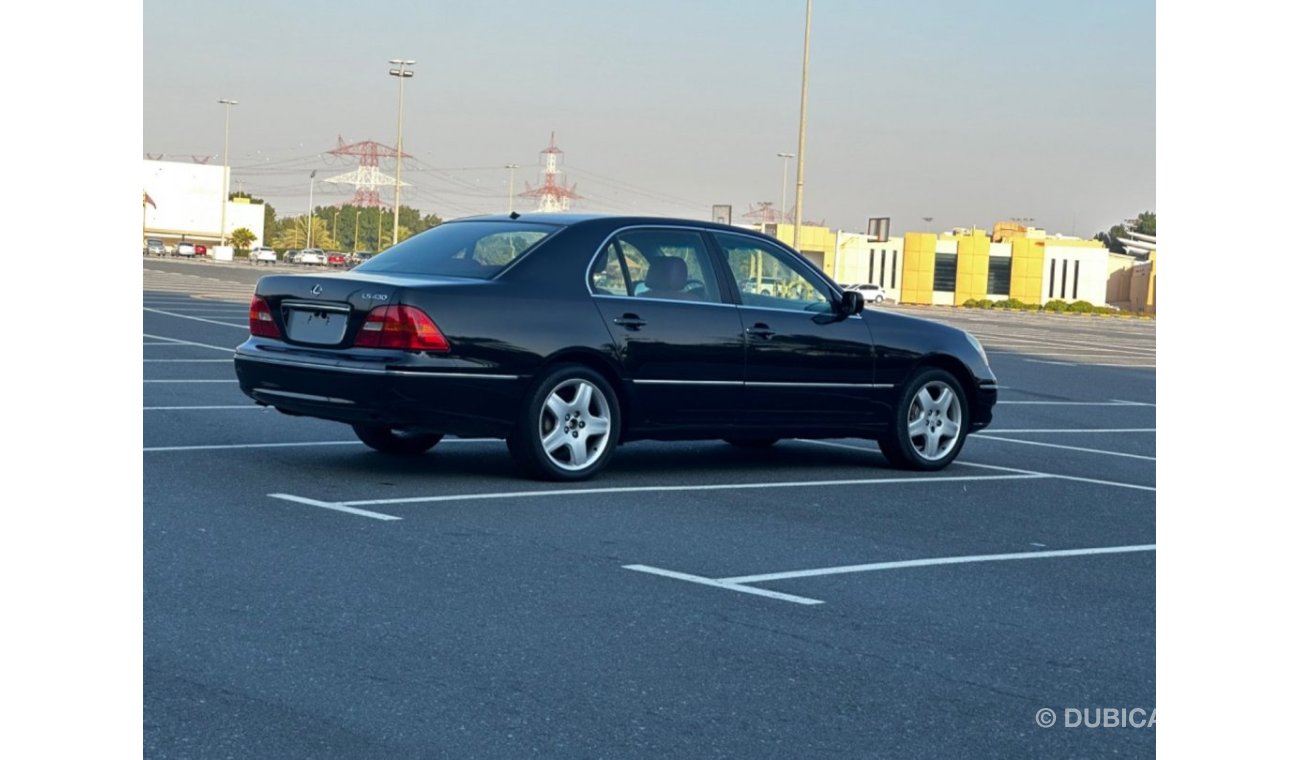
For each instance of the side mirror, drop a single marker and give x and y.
(851, 303)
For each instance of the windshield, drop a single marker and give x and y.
(460, 249)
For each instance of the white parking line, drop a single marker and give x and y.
(224, 446)
(964, 463)
(241, 326)
(179, 342)
(697, 487)
(191, 381)
(1075, 403)
(1071, 430)
(219, 447)
(204, 408)
(1058, 476)
(332, 505)
(983, 436)
(739, 582)
(720, 584)
(765, 577)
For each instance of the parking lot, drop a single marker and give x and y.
(307, 597)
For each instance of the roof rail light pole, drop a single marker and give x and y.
(402, 74)
(225, 163)
(803, 124)
(785, 173)
(510, 201)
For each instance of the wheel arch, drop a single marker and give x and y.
(598, 362)
(953, 366)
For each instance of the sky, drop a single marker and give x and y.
(964, 113)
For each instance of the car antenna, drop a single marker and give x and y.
(514, 214)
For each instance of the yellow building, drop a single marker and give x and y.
(949, 269)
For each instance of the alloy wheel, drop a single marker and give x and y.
(574, 425)
(934, 421)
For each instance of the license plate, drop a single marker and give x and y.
(323, 328)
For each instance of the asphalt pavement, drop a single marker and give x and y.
(306, 597)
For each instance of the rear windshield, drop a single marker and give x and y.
(460, 249)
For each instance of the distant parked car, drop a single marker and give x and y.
(155, 247)
(262, 255)
(291, 256)
(311, 256)
(336, 259)
(361, 257)
(200, 249)
(871, 292)
(184, 248)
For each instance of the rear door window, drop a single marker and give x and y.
(668, 264)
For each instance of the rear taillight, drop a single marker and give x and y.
(260, 321)
(404, 327)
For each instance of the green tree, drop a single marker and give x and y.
(268, 212)
(292, 233)
(1145, 224)
(242, 238)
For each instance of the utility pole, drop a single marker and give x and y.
(310, 196)
(803, 126)
(785, 173)
(510, 198)
(225, 169)
(402, 75)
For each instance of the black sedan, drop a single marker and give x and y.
(569, 334)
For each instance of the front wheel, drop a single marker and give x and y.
(389, 440)
(569, 425)
(930, 424)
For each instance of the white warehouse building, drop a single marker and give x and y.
(183, 201)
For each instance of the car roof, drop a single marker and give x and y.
(574, 219)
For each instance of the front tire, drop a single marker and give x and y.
(569, 425)
(930, 424)
(388, 440)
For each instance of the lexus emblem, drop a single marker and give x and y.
(317, 290)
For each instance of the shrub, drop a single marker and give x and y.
(1083, 307)
(971, 303)
(1056, 305)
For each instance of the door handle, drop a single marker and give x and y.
(630, 322)
(760, 330)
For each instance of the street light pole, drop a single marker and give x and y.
(225, 167)
(402, 75)
(785, 173)
(310, 199)
(803, 125)
(510, 199)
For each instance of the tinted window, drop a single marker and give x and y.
(606, 276)
(999, 275)
(668, 264)
(460, 249)
(945, 271)
(766, 277)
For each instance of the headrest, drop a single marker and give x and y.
(666, 273)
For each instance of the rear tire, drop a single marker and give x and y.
(930, 424)
(568, 427)
(388, 440)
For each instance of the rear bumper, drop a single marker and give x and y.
(453, 403)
